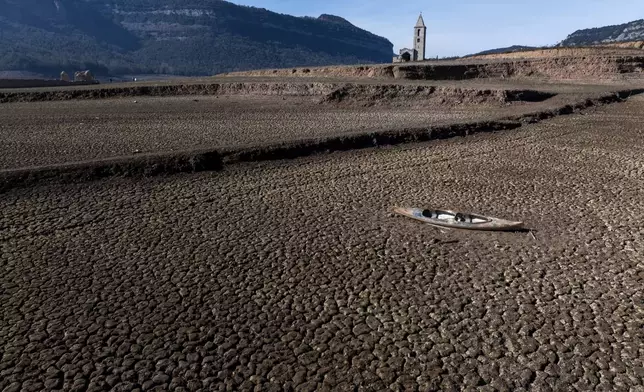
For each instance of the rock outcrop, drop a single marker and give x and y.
(632, 31)
(160, 36)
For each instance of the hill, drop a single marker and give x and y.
(194, 37)
(627, 35)
(632, 31)
(510, 49)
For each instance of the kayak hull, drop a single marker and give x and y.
(455, 220)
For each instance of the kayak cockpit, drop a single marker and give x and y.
(458, 220)
(449, 216)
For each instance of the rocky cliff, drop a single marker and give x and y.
(632, 31)
(627, 35)
(191, 37)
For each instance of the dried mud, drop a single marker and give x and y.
(295, 88)
(30, 83)
(555, 68)
(409, 95)
(606, 50)
(302, 89)
(164, 90)
(134, 166)
(214, 157)
(294, 275)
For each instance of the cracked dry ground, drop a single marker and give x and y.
(295, 275)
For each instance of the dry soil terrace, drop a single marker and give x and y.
(294, 275)
(568, 86)
(56, 132)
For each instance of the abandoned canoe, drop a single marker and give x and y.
(457, 220)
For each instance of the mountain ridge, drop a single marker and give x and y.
(201, 37)
(622, 33)
(625, 32)
(198, 37)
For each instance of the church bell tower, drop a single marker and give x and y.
(420, 39)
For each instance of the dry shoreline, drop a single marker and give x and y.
(214, 159)
(295, 275)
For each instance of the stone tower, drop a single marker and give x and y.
(420, 39)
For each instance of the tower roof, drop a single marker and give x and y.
(421, 22)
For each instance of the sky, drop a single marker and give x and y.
(460, 27)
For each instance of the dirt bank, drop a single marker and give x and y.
(296, 276)
(134, 166)
(332, 92)
(553, 68)
(395, 95)
(29, 83)
(630, 44)
(559, 68)
(213, 159)
(321, 81)
(296, 89)
(607, 50)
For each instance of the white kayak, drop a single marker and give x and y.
(457, 220)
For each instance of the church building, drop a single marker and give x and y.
(420, 41)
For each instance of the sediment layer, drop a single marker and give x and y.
(555, 68)
(215, 159)
(294, 89)
(29, 83)
(330, 92)
(296, 276)
(427, 95)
